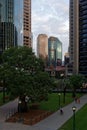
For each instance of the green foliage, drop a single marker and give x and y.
(22, 58)
(58, 83)
(76, 81)
(61, 83)
(39, 86)
(22, 72)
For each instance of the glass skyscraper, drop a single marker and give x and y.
(15, 23)
(54, 50)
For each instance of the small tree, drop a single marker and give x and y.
(76, 82)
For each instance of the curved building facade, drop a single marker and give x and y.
(54, 50)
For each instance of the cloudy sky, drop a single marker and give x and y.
(51, 17)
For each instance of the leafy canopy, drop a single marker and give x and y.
(76, 81)
(22, 72)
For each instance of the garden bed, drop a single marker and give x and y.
(29, 118)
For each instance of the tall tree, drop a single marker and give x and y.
(24, 73)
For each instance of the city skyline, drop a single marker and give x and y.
(51, 19)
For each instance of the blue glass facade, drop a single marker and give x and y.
(12, 23)
(18, 19)
(83, 37)
(7, 27)
(54, 50)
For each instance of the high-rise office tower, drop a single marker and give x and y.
(78, 36)
(54, 51)
(42, 46)
(27, 36)
(15, 23)
(7, 27)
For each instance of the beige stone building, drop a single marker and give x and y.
(27, 35)
(42, 46)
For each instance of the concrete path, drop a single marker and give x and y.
(7, 109)
(53, 122)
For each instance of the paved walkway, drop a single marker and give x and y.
(53, 122)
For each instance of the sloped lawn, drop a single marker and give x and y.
(80, 120)
(53, 101)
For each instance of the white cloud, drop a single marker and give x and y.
(52, 18)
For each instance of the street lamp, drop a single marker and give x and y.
(74, 109)
(59, 99)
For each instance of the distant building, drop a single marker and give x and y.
(15, 23)
(54, 51)
(66, 58)
(56, 72)
(42, 46)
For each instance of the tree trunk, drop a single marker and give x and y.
(22, 104)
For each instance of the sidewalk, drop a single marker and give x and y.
(53, 122)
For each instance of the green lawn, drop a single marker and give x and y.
(81, 120)
(53, 101)
(1, 98)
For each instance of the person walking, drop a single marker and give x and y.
(61, 111)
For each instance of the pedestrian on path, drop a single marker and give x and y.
(78, 100)
(61, 111)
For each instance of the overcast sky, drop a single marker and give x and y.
(51, 17)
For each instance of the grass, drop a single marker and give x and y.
(53, 101)
(80, 120)
(1, 98)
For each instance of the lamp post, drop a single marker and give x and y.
(74, 109)
(59, 99)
